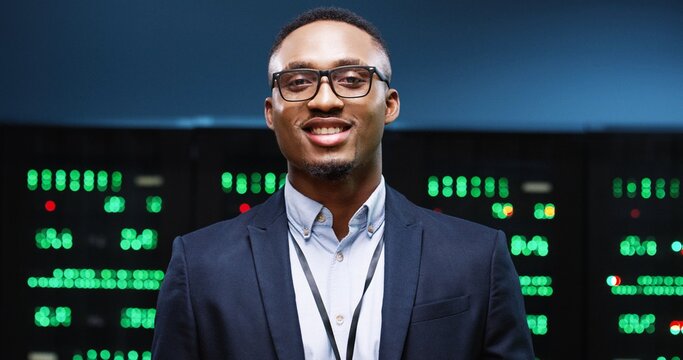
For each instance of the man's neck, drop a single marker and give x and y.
(341, 197)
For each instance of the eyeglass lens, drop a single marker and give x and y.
(346, 82)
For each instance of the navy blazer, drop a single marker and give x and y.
(450, 290)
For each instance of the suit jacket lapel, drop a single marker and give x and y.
(270, 249)
(403, 247)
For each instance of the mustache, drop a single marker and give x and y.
(324, 114)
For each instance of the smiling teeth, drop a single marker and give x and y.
(326, 131)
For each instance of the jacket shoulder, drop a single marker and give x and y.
(431, 219)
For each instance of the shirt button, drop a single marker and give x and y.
(340, 319)
(339, 256)
(371, 229)
(320, 218)
(306, 231)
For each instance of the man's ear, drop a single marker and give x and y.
(393, 106)
(268, 112)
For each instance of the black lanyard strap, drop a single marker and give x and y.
(321, 306)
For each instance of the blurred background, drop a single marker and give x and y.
(127, 123)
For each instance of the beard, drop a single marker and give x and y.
(331, 171)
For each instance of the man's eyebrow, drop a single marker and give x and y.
(298, 65)
(308, 65)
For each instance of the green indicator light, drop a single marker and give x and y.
(96, 279)
(105, 354)
(476, 192)
(660, 188)
(46, 179)
(88, 180)
(255, 183)
(675, 188)
(636, 324)
(447, 190)
(617, 188)
(537, 246)
(153, 204)
(536, 285)
(497, 210)
(270, 183)
(60, 180)
(538, 324)
(32, 179)
(137, 318)
(489, 187)
(517, 244)
(226, 182)
(46, 316)
(114, 204)
(631, 188)
(503, 190)
(646, 188)
(116, 181)
(461, 186)
(74, 180)
(49, 238)
(632, 245)
(475, 181)
(241, 184)
(433, 186)
(676, 246)
(102, 180)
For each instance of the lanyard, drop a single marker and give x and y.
(321, 306)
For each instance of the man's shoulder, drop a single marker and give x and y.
(434, 220)
(238, 225)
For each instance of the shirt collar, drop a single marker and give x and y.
(302, 211)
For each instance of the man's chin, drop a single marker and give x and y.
(331, 171)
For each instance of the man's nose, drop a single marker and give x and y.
(325, 100)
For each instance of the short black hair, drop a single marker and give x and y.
(333, 14)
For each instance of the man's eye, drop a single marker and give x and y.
(350, 80)
(297, 83)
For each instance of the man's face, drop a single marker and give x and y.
(328, 136)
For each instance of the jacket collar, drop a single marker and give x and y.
(402, 246)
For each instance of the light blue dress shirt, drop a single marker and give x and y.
(339, 269)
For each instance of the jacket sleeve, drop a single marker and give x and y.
(507, 334)
(175, 334)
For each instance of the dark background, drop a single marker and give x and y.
(567, 93)
(539, 65)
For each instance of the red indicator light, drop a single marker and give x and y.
(508, 210)
(50, 206)
(613, 280)
(635, 213)
(438, 209)
(244, 207)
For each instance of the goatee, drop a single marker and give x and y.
(331, 171)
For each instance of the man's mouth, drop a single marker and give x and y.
(328, 133)
(326, 130)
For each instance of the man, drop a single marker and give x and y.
(338, 264)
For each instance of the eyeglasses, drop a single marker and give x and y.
(351, 81)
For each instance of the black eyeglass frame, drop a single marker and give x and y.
(372, 69)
